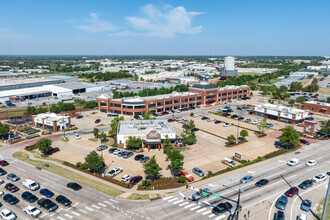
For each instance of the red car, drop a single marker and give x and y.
(3, 163)
(135, 180)
(291, 192)
(11, 187)
(170, 120)
(53, 150)
(304, 142)
(182, 173)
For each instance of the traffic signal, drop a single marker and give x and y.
(187, 186)
(200, 191)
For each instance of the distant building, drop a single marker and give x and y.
(11, 75)
(229, 68)
(319, 107)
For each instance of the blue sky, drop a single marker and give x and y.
(177, 27)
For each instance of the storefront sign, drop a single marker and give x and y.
(238, 156)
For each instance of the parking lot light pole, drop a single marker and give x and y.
(326, 202)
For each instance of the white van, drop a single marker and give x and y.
(31, 184)
(301, 217)
(228, 162)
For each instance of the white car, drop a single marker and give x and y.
(177, 110)
(227, 125)
(319, 178)
(31, 210)
(196, 115)
(77, 136)
(1, 181)
(210, 119)
(311, 163)
(1, 193)
(117, 151)
(115, 171)
(126, 177)
(255, 122)
(293, 162)
(7, 214)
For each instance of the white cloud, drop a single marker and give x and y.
(164, 23)
(94, 24)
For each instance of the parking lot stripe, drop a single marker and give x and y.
(83, 211)
(171, 200)
(101, 204)
(108, 202)
(167, 197)
(69, 216)
(200, 210)
(89, 209)
(220, 217)
(59, 210)
(197, 207)
(185, 203)
(75, 213)
(207, 212)
(95, 206)
(179, 201)
(114, 200)
(211, 216)
(43, 215)
(189, 206)
(59, 217)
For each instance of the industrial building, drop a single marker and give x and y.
(319, 107)
(9, 84)
(152, 132)
(51, 121)
(281, 113)
(11, 75)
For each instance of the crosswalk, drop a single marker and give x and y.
(194, 207)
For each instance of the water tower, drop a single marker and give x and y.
(229, 63)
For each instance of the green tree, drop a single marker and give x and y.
(291, 101)
(103, 137)
(148, 116)
(167, 144)
(231, 138)
(96, 132)
(290, 136)
(114, 125)
(133, 143)
(44, 144)
(296, 86)
(262, 126)
(176, 158)
(4, 130)
(244, 133)
(30, 110)
(151, 168)
(328, 100)
(301, 99)
(93, 161)
(188, 135)
(325, 127)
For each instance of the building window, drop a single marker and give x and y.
(244, 91)
(312, 109)
(115, 105)
(168, 102)
(239, 92)
(160, 103)
(177, 101)
(229, 93)
(103, 104)
(199, 98)
(235, 92)
(192, 99)
(184, 100)
(151, 105)
(224, 94)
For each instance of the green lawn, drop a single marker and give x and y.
(136, 196)
(70, 175)
(327, 216)
(323, 91)
(93, 139)
(242, 74)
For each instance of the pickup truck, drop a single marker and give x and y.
(197, 196)
(31, 184)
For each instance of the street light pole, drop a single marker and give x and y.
(326, 202)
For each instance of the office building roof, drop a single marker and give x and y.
(144, 127)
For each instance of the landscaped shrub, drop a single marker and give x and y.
(182, 179)
(31, 147)
(146, 183)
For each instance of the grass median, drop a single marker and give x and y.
(70, 175)
(136, 196)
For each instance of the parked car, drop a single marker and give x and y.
(11, 187)
(79, 117)
(281, 202)
(115, 171)
(247, 120)
(293, 162)
(255, 122)
(246, 179)
(262, 182)
(311, 163)
(126, 177)
(221, 208)
(304, 142)
(310, 118)
(205, 118)
(101, 147)
(292, 191)
(74, 186)
(117, 151)
(97, 121)
(77, 136)
(111, 150)
(135, 180)
(7, 214)
(53, 150)
(12, 200)
(112, 115)
(280, 215)
(217, 122)
(270, 125)
(47, 204)
(210, 120)
(121, 153)
(63, 200)
(239, 108)
(144, 159)
(240, 118)
(306, 205)
(319, 178)
(3, 163)
(170, 120)
(306, 184)
(189, 178)
(13, 177)
(136, 117)
(198, 171)
(138, 157)
(29, 197)
(2, 172)
(226, 125)
(31, 210)
(196, 115)
(46, 192)
(301, 217)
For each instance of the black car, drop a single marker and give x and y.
(97, 121)
(176, 173)
(306, 184)
(12, 200)
(2, 172)
(79, 117)
(138, 157)
(280, 215)
(226, 114)
(136, 117)
(195, 129)
(240, 118)
(111, 150)
(29, 197)
(205, 118)
(74, 186)
(262, 182)
(221, 208)
(63, 200)
(47, 204)
(217, 122)
(234, 116)
(144, 159)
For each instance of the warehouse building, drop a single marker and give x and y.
(152, 132)
(51, 121)
(10, 84)
(281, 113)
(319, 107)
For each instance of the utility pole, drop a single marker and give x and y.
(326, 202)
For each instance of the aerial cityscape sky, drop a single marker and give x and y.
(165, 27)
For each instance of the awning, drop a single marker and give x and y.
(151, 141)
(324, 109)
(211, 100)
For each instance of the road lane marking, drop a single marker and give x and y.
(207, 212)
(189, 206)
(101, 204)
(90, 209)
(108, 202)
(185, 203)
(200, 210)
(95, 206)
(220, 217)
(171, 200)
(212, 215)
(59, 217)
(212, 185)
(179, 201)
(197, 207)
(69, 216)
(167, 197)
(83, 211)
(75, 213)
(114, 200)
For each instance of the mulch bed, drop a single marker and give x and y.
(235, 144)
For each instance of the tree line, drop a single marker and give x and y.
(99, 76)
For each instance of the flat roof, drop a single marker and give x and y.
(75, 85)
(51, 116)
(319, 103)
(23, 92)
(144, 127)
(8, 82)
(281, 108)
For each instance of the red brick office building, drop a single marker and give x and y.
(319, 107)
(199, 94)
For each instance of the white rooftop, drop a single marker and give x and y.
(319, 103)
(144, 127)
(51, 116)
(281, 108)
